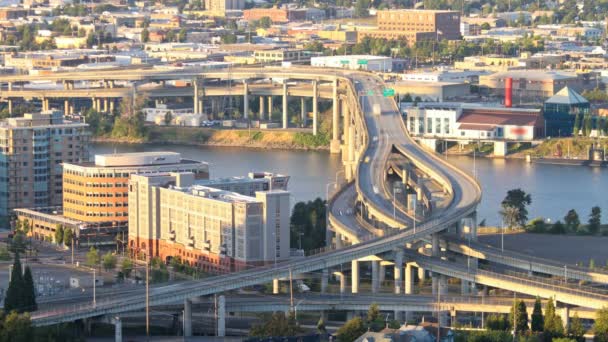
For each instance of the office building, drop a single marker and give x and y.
(561, 110)
(219, 7)
(415, 25)
(173, 216)
(32, 149)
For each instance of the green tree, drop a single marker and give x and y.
(351, 330)
(93, 257)
(577, 125)
(321, 326)
(15, 293)
(4, 254)
(587, 125)
(58, 234)
(572, 221)
(485, 26)
(145, 35)
(553, 326)
(373, 313)
(29, 290)
(307, 225)
(276, 325)
(265, 22)
(68, 236)
(537, 225)
(497, 322)
(576, 330)
(595, 219)
(517, 199)
(362, 8)
(16, 328)
(600, 327)
(168, 118)
(519, 317)
(538, 321)
(126, 267)
(109, 261)
(558, 228)
(182, 35)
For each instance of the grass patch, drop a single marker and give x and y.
(310, 140)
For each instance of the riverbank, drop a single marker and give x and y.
(254, 138)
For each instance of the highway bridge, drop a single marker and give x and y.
(382, 232)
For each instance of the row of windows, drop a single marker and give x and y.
(95, 194)
(97, 204)
(96, 185)
(95, 214)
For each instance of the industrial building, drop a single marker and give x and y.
(354, 62)
(32, 149)
(172, 215)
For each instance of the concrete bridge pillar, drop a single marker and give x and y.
(500, 148)
(285, 108)
(465, 287)
(303, 111)
(270, 108)
(452, 317)
(221, 316)
(66, 107)
(187, 318)
(335, 138)
(275, 286)
(111, 106)
(409, 316)
(564, 313)
(342, 280)
(375, 275)
(443, 285)
(262, 108)
(10, 106)
(345, 129)
(434, 283)
(117, 329)
(409, 279)
(245, 100)
(443, 318)
(10, 86)
(354, 268)
(105, 105)
(398, 270)
(324, 280)
(45, 104)
(421, 274)
(381, 274)
(435, 249)
(338, 241)
(315, 108)
(195, 102)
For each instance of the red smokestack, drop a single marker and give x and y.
(508, 92)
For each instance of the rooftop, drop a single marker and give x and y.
(567, 96)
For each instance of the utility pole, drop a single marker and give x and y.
(290, 290)
(147, 299)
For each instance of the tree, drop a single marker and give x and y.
(517, 199)
(145, 35)
(93, 257)
(362, 8)
(265, 22)
(351, 330)
(576, 330)
(16, 328)
(538, 320)
(373, 313)
(168, 118)
(537, 225)
(558, 228)
(595, 220)
(510, 216)
(29, 290)
(485, 26)
(576, 128)
(572, 221)
(307, 225)
(126, 267)
(182, 35)
(321, 326)
(519, 317)
(68, 236)
(497, 322)
(553, 326)
(58, 234)
(15, 292)
(587, 125)
(600, 327)
(109, 261)
(276, 325)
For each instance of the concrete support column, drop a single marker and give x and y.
(105, 105)
(465, 287)
(10, 86)
(565, 315)
(409, 316)
(335, 123)
(338, 241)
(381, 274)
(262, 108)
(443, 318)
(221, 316)
(421, 274)
(342, 280)
(245, 100)
(285, 109)
(187, 318)
(10, 106)
(66, 107)
(275, 286)
(443, 285)
(117, 329)
(434, 283)
(112, 105)
(346, 123)
(398, 270)
(354, 276)
(409, 279)
(270, 108)
(315, 108)
(375, 274)
(303, 111)
(324, 280)
(435, 251)
(195, 96)
(98, 104)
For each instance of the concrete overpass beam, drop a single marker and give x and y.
(245, 100)
(500, 148)
(324, 280)
(409, 279)
(221, 316)
(375, 275)
(187, 318)
(398, 270)
(117, 329)
(335, 138)
(354, 268)
(315, 108)
(285, 107)
(275, 286)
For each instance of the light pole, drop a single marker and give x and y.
(327, 236)
(94, 288)
(397, 191)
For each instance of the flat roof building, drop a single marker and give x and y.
(172, 215)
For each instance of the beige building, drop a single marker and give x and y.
(32, 149)
(171, 215)
(219, 7)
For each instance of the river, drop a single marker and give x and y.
(555, 189)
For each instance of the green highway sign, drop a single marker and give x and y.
(362, 61)
(344, 61)
(388, 92)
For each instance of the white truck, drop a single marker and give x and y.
(376, 109)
